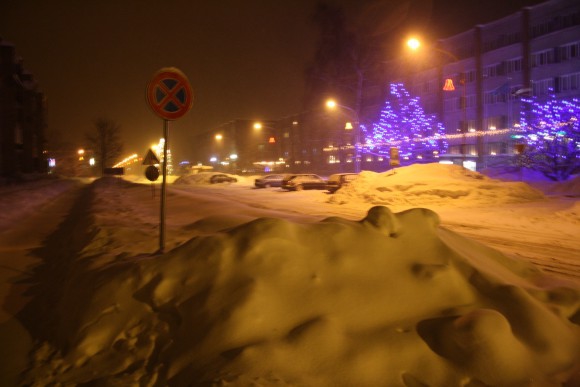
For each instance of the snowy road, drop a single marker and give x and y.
(532, 231)
(554, 254)
(545, 233)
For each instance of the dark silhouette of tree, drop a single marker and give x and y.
(105, 142)
(351, 48)
(331, 70)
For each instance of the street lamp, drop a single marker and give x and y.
(217, 148)
(414, 44)
(267, 144)
(258, 126)
(332, 104)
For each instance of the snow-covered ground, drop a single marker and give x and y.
(376, 285)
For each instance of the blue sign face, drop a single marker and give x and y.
(171, 94)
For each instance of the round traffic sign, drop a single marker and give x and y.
(152, 173)
(169, 94)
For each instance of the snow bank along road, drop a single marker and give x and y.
(532, 231)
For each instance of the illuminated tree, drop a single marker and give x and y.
(404, 124)
(552, 137)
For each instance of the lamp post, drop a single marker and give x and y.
(332, 104)
(218, 146)
(270, 143)
(414, 44)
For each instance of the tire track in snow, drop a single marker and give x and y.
(552, 256)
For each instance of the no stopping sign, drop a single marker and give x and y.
(169, 94)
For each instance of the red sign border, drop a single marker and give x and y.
(182, 81)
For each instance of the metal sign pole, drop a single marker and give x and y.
(162, 214)
(169, 96)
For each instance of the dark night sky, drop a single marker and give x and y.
(244, 59)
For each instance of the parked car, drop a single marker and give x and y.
(339, 180)
(299, 182)
(222, 178)
(268, 181)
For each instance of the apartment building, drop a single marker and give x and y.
(22, 118)
(533, 52)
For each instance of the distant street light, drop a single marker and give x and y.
(332, 104)
(258, 126)
(414, 44)
(266, 150)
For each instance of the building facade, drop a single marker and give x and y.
(533, 52)
(22, 118)
(473, 83)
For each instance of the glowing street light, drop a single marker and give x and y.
(332, 104)
(219, 137)
(266, 147)
(414, 44)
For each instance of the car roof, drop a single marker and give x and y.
(291, 176)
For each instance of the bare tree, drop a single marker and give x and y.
(105, 141)
(349, 48)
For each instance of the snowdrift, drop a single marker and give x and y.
(390, 300)
(434, 184)
(199, 178)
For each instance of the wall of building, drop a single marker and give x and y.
(22, 118)
(491, 67)
(537, 47)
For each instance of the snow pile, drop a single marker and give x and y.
(572, 213)
(141, 179)
(434, 184)
(570, 187)
(201, 178)
(36, 193)
(389, 300)
(514, 173)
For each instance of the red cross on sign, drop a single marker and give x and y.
(169, 94)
